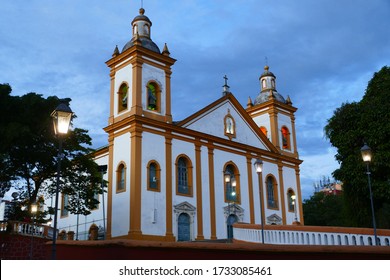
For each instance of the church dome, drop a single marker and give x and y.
(141, 33)
(268, 88)
(145, 42)
(266, 96)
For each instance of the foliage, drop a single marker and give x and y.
(352, 125)
(29, 148)
(324, 209)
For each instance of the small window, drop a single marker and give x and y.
(123, 97)
(184, 176)
(272, 197)
(286, 138)
(153, 176)
(153, 97)
(121, 178)
(64, 205)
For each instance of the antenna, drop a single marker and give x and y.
(142, 4)
(266, 61)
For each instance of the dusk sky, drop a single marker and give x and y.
(323, 53)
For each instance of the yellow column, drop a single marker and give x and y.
(135, 182)
(281, 183)
(250, 189)
(212, 194)
(168, 188)
(199, 203)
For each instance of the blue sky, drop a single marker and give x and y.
(323, 53)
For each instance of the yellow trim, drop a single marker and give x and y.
(135, 182)
(199, 203)
(281, 184)
(250, 189)
(168, 186)
(212, 193)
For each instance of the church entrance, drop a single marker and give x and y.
(184, 227)
(230, 221)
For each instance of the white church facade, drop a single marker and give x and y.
(190, 179)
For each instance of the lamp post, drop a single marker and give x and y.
(33, 209)
(367, 156)
(103, 169)
(62, 116)
(259, 169)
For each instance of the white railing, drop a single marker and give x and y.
(24, 228)
(309, 235)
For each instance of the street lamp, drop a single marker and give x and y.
(62, 116)
(34, 210)
(103, 169)
(259, 169)
(367, 157)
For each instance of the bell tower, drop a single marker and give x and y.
(274, 115)
(140, 76)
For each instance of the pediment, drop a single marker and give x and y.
(184, 207)
(274, 220)
(227, 119)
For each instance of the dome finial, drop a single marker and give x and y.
(141, 11)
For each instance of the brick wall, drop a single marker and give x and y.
(19, 247)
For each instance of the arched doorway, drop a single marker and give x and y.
(230, 221)
(183, 231)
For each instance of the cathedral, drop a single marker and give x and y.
(190, 179)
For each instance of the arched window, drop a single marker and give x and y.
(153, 173)
(264, 130)
(232, 183)
(183, 176)
(291, 200)
(123, 97)
(272, 194)
(286, 138)
(153, 97)
(121, 178)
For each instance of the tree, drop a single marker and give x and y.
(352, 125)
(324, 209)
(29, 148)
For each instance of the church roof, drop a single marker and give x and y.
(266, 96)
(145, 42)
